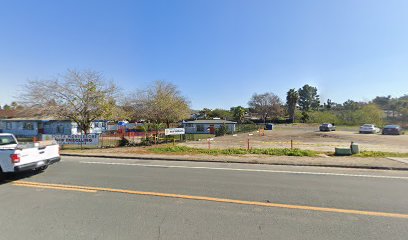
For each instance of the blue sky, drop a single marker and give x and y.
(219, 52)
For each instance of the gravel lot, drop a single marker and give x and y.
(308, 137)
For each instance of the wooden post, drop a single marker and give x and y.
(174, 141)
(291, 144)
(209, 144)
(248, 144)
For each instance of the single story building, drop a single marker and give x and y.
(208, 126)
(30, 127)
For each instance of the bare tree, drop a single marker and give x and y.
(266, 105)
(160, 103)
(79, 96)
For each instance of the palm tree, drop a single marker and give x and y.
(291, 102)
(238, 113)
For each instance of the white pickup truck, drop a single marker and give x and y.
(15, 157)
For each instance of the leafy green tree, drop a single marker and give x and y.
(370, 113)
(305, 117)
(308, 98)
(205, 112)
(323, 117)
(329, 104)
(292, 99)
(351, 105)
(238, 113)
(382, 101)
(220, 113)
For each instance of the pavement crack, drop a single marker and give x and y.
(159, 227)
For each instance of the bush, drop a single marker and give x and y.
(124, 142)
(221, 131)
(323, 117)
(146, 142)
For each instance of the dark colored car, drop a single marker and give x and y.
(326, 127)
(392, 130)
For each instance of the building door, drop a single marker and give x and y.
(41, 128)
(212, 129)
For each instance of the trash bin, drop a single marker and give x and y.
(354, 148)
(269, 126)
(342, 151)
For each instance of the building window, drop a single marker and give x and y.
(60, 129)
(28, 126)
(200, 128)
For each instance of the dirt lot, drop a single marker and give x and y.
(308, 137)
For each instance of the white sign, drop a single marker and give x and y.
(90, 139)
(174, 131)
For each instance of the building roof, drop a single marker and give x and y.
(8, 113)
(211, 121)
(44, 119)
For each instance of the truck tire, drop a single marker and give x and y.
(43, 168)
(40, 169)
(2, 175)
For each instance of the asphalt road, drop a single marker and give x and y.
(92, 198)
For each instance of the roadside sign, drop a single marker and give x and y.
(174, 131)
(89, 139)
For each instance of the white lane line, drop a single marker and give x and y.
(248, 170)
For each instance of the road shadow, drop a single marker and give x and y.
(10, 177)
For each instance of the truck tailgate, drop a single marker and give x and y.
(37, 155)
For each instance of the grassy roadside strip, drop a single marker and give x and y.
(376, 154)
(235, 151)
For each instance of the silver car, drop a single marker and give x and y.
(369, 128)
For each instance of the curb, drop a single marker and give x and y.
(232, 161)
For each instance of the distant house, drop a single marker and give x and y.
(208, 126)
(31, 127)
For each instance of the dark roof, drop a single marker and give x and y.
(211, 121)
(38, 119)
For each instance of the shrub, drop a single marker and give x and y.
(221, 131)
(123, 142)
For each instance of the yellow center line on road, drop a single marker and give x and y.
(55, 188)
(208, 199)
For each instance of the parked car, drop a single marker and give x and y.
(15, 157)
(326, 127)
(392, 130)
(369, 128)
